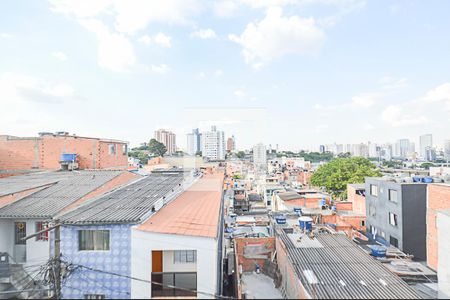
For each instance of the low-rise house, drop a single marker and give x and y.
(51, 193)
(181, 245)
(96, 237)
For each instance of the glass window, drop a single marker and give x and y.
(94, 296)
(112, 149)
(374, 190)
(125, 149)
(93, 240)
(44, 235)
(184, 256)
(393, 241)
(393, 219)
(393, 196)
(20, 231)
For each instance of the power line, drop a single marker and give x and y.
(152, 282)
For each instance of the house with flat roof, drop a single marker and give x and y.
(96, 237)
(29, 202)
(330, 266)
(177, 251)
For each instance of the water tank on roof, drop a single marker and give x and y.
(333, 208)
(280, 219)
(298, 210)
(305, 223)
(416, 179)
(427, 180)
(378, 251)
(322, 202)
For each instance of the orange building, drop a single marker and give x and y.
(19, 154)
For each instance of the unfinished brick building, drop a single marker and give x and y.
(20, 154)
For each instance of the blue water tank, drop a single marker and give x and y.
(333, 208)
(280, 219)
(322, 202)
(416, 179)
(298, 210)
(68, 157)
(305, 223)
(427, 180)
(378, 251)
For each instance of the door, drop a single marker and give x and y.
(20, 246)
(157, 261)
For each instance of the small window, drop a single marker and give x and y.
(184, 256)
(393, 196)
(20, 231)
(363, 223)
(44, 235)
(94, 296)
(393, 241)
(125, 149)
(93, 240)
(374, 190)
(112, 149)
(393, 219)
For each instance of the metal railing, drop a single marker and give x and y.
(174, 284)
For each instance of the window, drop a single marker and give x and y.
(44, 235)
(93, 240)
(94, 296)
(374, 190)
(125, 149)
(184, 256)
(112, 149)
(20, 231)
(393, 196)
(363, 223)
(393, 219)
(393, 241)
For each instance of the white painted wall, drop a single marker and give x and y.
(170, 266)
(6, 236)
(443, 227)
(142, 245)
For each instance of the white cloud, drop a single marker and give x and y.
(204, 34)
(240, 93)
(398, 115)
(218, 72)
(160, 69)
(439, 95)
(145, 39)
(59, 55)
(225, 9)
(6, 35)
(163, 40)
(276, 36)
(365, 99)
(80, 8)
(115, 52)
(390, 83)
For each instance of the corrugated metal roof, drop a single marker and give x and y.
(128, 204)
(15, 184)
(70, 187)
(341, 270)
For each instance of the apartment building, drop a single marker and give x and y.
(396, 214)
(214, 144)
(19, 154)
(168, 138)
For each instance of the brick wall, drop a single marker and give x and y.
(44, 153)
(249, 264)
(359, 202)
(438, 198)
(346, 206)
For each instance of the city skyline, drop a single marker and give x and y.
(345, 71)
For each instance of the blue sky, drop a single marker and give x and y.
(297, 73)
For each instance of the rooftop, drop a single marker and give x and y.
(357, 186)
(289, 196)
(333, 267)
(259, 286)
(129, 204)
(16, 184)
(70, 187)
(195, 212)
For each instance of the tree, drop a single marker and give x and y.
(156, 148)
(426, 165)
(240, 154)
(143, 157)
(335, 175)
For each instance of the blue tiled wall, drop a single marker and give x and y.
(117, 260)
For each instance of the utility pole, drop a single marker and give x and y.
(57, 255)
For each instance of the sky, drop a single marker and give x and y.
(297, 73)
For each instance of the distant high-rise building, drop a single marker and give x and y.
(403, 148)
(194, 142)
(231, 144)
(259, 154)
(426, 144)
(213, 144)
(322, 148)
(373, 149)
(168, 138)
(447, 150)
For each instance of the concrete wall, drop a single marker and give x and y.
(142, 245)
(170, 266)
(438, 197)
(443, 269)
(116, 260)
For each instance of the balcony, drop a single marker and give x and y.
(169, 284)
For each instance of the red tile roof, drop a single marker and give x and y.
(195, 212)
